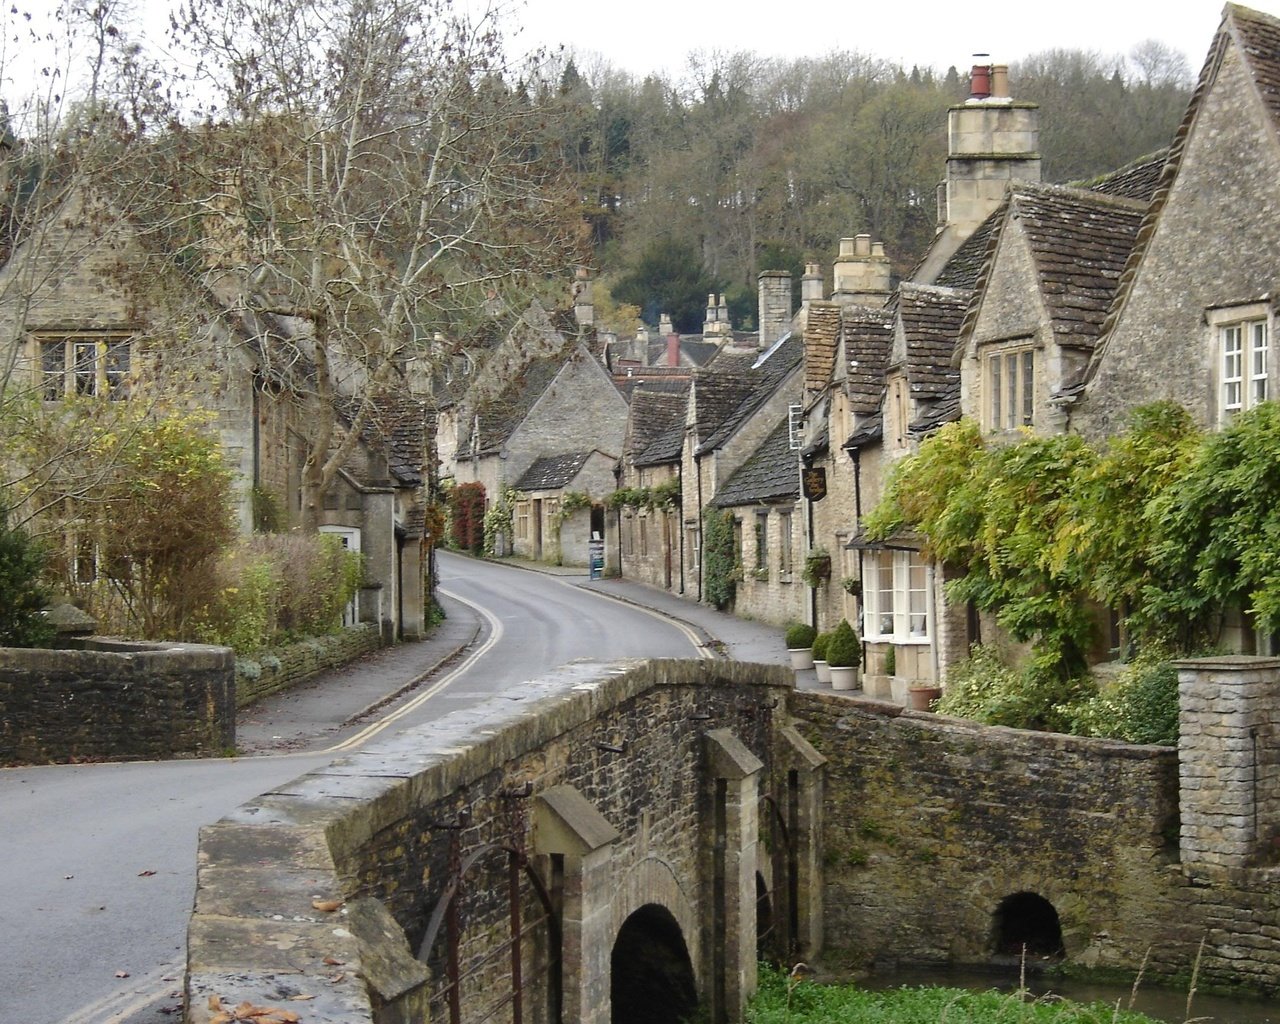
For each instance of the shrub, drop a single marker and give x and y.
(1140, 706)
(844, 650)
(983, 688)
(820, 643)
(891, 661)
(800, 635)
(719, 558)
(22, 598)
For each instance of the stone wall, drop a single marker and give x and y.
(277, 670)
(380, 829)
(116, 701)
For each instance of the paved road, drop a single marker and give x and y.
(98, 860)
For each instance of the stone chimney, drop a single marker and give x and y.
(811, 285)
(584, 310)
(774, 299)
(664, 324)
(861, 273)
(991, 141)
(716, 322)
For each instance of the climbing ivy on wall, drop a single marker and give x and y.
(720, 566)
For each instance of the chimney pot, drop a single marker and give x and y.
(877, 250)
(980, 82)
(846, 247)
(1000, 81)
(862, 245)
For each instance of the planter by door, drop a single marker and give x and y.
(823, 670)
(921, 698)
(801, 658)
(843, 677)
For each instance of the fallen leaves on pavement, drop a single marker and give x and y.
(248, 1013)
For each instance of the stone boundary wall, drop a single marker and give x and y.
(273, 671)
(931, 822)
(114, 700)
(374, 829)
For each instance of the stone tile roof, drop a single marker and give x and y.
(549, 472)
(1259, 36)
(931, 319)
(771, 473)
(754, 387)
(1080, 242)
(870, 428)
(935, 414)
(398, 424)
(965, 265)
(501, 414)
(821, 342)
(653, 416)
(1137, 180)
(868, 339)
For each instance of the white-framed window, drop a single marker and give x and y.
(1243, 364)
(93, 363)
(896, 597)
(1009, 379)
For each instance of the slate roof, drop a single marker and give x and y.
(549, 472)
(754, 387)
(653, 415)
(397, 425)
(868, 338)
(965, 266)
(770, 474)
(869, 429)
(1137, 180)
(1080, 242)
(821, 342)
(931, 319)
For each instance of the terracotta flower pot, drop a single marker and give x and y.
(921, 698)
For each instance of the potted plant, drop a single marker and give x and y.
(817, 567)
(844, 655)
(820, 657)
(922, 694)
(800, 645)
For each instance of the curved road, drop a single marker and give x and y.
(99, 860)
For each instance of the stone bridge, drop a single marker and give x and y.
(620, 842)
(617, 843)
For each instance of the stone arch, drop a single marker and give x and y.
(653, 880)
(650, 973)
(1026, 922)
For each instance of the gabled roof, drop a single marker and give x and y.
(1137, 180)
(397, 425)
(549, 472)
(931, 319)
(868, 339)
(1080, 242)
(1257, 37)
(772, 473)
(965, 265)
(752, 388)
(653, 415)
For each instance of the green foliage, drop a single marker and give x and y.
(1140, 705)
(669, 278)
(499, 520)
(820, 644)
(466, 517)
(891, 660)
(844, 650)
(22, 597)
(665, 495)
(720, 568)
(268, 516)
(817, 567)
(784, 1000)
(800, 635)
(1216, 530)
(984, 688)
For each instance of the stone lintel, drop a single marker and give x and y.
(566, 822)
(729, 756)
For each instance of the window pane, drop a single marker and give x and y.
(1258, 362)
(53, 365)
(996, 392)
(1232, 368)
(1028, 387)
(85, 367)
(117, 369)
(784, 541)
(884, 597)
(918, 598)
(1011, 389)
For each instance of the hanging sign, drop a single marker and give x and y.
(814, 481)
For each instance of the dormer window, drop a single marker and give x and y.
(1009, 377)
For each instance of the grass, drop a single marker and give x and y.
(783, 1000)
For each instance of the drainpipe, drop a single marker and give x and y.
(680, 521)
(702, 555)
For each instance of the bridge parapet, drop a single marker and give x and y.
(563, 810)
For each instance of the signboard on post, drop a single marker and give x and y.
(595, 558)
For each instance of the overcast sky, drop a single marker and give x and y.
(656, 35)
